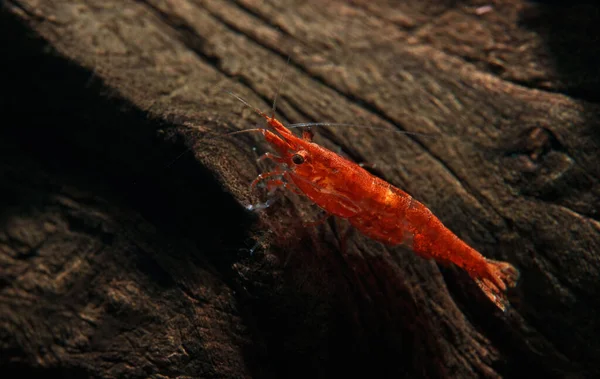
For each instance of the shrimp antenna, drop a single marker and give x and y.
(255, 110)
(310, 124)
(244, 131)
(248, 105)
(287, 64)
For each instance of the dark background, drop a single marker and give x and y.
(123, 234)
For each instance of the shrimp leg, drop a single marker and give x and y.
(273, 184)
(266, 176)
(266, 204)
(270, 156)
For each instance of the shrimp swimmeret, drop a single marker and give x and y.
(376, 208)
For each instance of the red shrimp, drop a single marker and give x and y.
(376, 208)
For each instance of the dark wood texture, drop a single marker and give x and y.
(122, 257)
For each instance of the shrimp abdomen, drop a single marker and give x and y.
(422, 231)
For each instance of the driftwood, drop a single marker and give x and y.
(123, 257)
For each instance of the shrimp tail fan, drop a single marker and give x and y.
(500, 276)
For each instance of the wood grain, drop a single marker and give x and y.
(123, 229)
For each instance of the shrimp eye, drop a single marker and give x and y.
(297, 159)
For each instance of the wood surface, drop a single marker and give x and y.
(123, 231)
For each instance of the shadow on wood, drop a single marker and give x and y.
(123, 233)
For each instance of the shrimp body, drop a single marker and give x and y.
(378, 209)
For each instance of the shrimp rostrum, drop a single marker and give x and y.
(376, 208)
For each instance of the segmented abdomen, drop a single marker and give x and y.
(393, 217)
(383, 214)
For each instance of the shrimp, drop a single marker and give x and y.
(376, 208)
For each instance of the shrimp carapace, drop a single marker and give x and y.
(376, 208)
